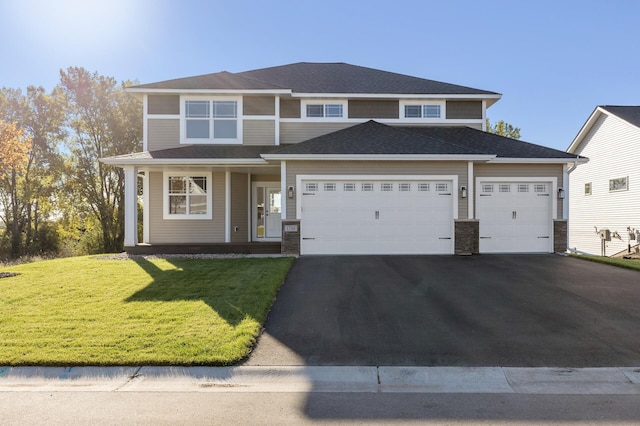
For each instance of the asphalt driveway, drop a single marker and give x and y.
(492, 310)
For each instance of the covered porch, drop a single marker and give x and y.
(230, 200)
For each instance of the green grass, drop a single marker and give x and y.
(85, 311)
(622, 263)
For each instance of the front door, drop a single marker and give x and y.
(267, 211)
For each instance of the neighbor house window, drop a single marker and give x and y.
(619, 184)
(208, 121)
(422, 111)
(187, 196)
(587, 188)
(324, 110)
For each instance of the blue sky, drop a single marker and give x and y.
(553, 61)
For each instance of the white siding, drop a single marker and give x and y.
(613, 148)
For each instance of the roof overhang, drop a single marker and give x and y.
(585, 129)
(378, 157)
(505, 160)
(139, 92)
(115, 161)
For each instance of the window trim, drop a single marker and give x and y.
(422, 103)
(211, 140)
(626, 184)
(324, 102)
(165, 193)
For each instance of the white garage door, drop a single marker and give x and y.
(515, 217)
(376, 216)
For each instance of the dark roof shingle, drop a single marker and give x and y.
(376, 138)
(630, 114)
(308, 77)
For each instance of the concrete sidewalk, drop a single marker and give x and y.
(393, 379)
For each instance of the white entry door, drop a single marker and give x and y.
(515, 217)
(267, 211)
(377, 216)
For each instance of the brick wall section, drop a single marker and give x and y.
(559, 236)
(467, 237)
(291, 239)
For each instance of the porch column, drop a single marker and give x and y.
(130, 206)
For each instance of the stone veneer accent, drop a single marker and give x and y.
(559, 236)
(467, 237)
(291, 239)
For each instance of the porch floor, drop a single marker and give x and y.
(213, 248)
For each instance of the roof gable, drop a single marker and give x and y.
(630, 114)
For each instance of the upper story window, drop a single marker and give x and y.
(416, 110)
(324, 109)
(211, 121)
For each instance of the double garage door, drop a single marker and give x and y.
(377, 216)
(390, 215)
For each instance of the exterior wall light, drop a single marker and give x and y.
(463, 191)
(560, 193)
(290, 191)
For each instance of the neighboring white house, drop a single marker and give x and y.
(605, 192)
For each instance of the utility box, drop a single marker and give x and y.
(605, 234)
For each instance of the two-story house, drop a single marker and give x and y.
(332, 158)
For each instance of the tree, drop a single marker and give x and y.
(105, 121)
(41, 116)
(503, 128)
(14, 153)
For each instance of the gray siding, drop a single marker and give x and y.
(289, 108)
(258, 105)
(259, 132)
(239, 207)
(522, 170)
(265, 178)
(163, 104)
(298, 132)
(173, 231)
(163, 133)
(464, 109)
(373, 109)
(295, 168)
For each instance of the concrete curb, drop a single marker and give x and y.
(386, 379)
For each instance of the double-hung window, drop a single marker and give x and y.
(211, 121)
(187, 196)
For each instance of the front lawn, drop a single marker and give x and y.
(86, 311)
(622, 263)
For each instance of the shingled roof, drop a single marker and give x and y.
(309, 77)
(373, 138)
(630, 114)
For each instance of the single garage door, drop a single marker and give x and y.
(515, 217)
(376, 216)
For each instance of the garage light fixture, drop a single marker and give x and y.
(560, 193)
(463, 191)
